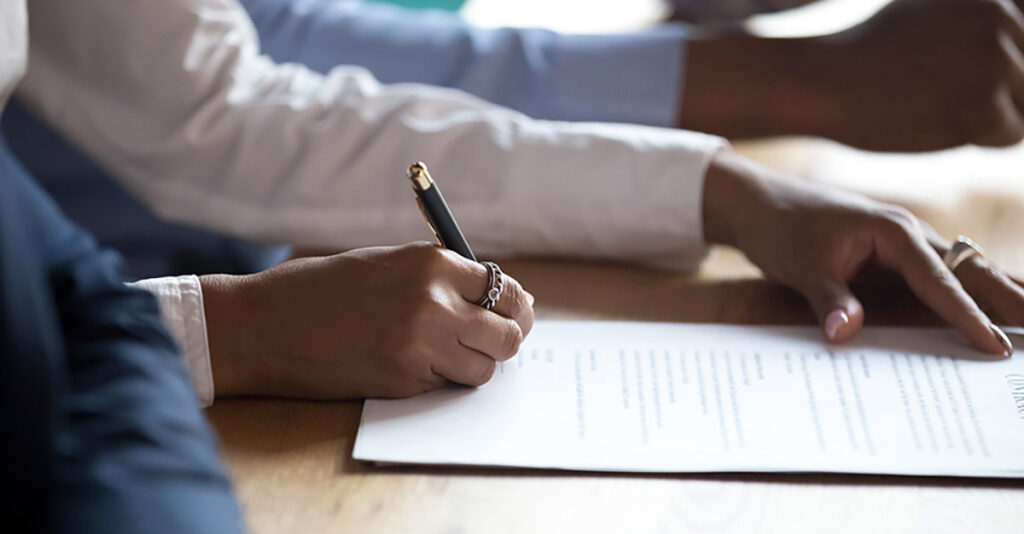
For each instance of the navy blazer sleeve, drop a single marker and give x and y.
(104, 420)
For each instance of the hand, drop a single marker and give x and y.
(375, 322)
(932, 74)
(919, 75)
(816, 240)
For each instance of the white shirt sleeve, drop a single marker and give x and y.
(174, 98)
(181, 306)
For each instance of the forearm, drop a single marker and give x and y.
(211, 320)
(231, 323)
(742, 86)
(215, 135)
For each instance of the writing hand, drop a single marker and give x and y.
(374, 322)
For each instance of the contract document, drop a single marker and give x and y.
(646, 397)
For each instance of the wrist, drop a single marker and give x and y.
(742, 86)
(224, 303)
(734, 198)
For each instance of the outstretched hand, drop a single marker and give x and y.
(817, 240)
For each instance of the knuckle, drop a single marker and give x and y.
(417, 251)
(898, 221)
(484, 374)
(526, 320)
(522, 310)
(516, 294)
(425, 252)
(418, 266)
(941, 274)
(988, 270)
(418, 245)
(944, 278)
(512, 338)
(899, 213)
(434, 259)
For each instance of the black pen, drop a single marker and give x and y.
(435, 211)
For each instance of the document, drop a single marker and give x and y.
(649, 397)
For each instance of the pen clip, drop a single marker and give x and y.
(430, 224)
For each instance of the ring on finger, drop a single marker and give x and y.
(495, 283)
(962, 250)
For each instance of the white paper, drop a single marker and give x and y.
(713, 398)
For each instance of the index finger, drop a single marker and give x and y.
(935, 285)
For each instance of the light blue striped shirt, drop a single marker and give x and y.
(632, 78)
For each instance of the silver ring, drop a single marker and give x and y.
(495, 283)
(962, 250)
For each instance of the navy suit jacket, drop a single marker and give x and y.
(100, 427)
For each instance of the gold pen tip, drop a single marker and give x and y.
(416, 168)
(420, 176)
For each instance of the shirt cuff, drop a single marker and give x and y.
(181, 307)
(693, 249)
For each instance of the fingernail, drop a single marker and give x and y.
(834, 322)
(1001, 336)
(529, 297)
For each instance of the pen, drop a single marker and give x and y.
(435, 211)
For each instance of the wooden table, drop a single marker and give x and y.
(292, 467)
(291, 461)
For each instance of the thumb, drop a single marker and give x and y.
(839, 312)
